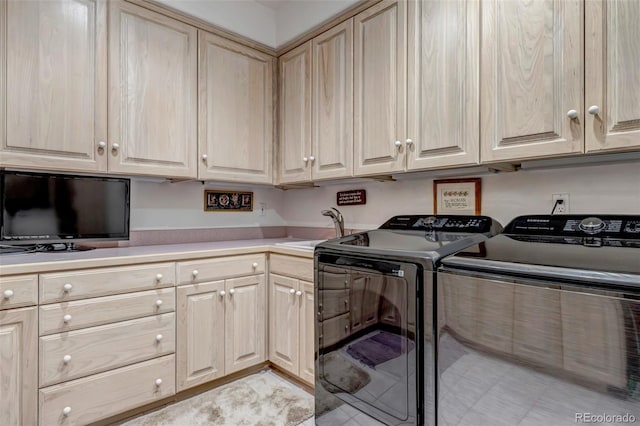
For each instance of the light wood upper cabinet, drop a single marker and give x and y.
(612, 75)
(295, 115)
(379, 88)
(19, 367)
(332, 126)
(443, 84)
(236, 111)
(53, 85)
(152, 93)
(532, 77)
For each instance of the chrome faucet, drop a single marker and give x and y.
(338, 220)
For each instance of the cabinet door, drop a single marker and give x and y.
(443, 84)
(246, 322)
(307, 336)
(295, 115)
(236, 114)
(532, 76)
(19, 367)
(53, 84)
(379, 88)
(284, 323)
(152, 93)
(333, 103)
(201, 334)
(612, 74)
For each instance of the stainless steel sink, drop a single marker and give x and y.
(308, 245)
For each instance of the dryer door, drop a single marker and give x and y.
(367, 338)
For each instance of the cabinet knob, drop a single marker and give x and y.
(409, 142)
(204, 157)
(66, 359)
(222, 293)
(8, 294)
(67, 287)
(291, 291)
(305, 159)
(102, 145)
(398, 144)
(66, 318)
(159, 337)
(158, 277)
(115, 146)
(158, 382)
(594, 110)
(312, 159)
(255, 265)
(298, 293)
(195, 273)
(66, 411)
(232, 290)
(572, 113)
(159, 303)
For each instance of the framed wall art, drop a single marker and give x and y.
(225, 201)
(457, 196)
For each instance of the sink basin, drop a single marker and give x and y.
(308, 245)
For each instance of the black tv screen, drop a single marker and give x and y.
(48, 208)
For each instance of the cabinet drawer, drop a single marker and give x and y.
(20, 290)
(334, 330)
(333, 302)
(219, 268)
(67, 316)
(105, 281)
(290, 266)
(106, 394)
(96, 349)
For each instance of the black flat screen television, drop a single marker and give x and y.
(39, 208)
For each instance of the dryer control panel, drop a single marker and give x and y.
(439, 223)
(603, 226)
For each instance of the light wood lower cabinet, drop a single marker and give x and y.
(221, 328)
(292, 326)
(18, 366)
(93, 398)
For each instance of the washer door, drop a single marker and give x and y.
(367, 338)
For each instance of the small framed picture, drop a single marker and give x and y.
(457, 196)
(224, 201)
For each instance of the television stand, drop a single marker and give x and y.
(67, 247)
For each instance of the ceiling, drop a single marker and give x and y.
(270, 22)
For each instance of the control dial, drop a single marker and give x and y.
(430, 220)
(592, 225)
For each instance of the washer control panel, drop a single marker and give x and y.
(439, 223)
(608, 226)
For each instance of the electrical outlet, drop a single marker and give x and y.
(263, 209)
(560, 207)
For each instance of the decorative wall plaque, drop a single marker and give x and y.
(224, 201)
(457, 196)
(351, 198)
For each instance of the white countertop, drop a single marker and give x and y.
(11, 264)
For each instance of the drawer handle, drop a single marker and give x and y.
(66, 411)
(159, 303)
(66, 359)
(67, 287)
(8, 294)
(158, 277)
(232, 291)
(66, 318)
(158, 382)
(222, 293)
(195, 273)
(291, 291)
(255, 265)
(158, 337)
(298, 293)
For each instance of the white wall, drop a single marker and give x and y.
(592, 189)
(244, 17)
(180, 206)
